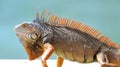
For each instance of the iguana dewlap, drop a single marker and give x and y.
(67, 39)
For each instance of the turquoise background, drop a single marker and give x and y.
(103, 15)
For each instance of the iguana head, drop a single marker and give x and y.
(28, 30)
(29, 34)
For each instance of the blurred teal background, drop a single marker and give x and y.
(103, 15)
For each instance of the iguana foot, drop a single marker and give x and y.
(59, 62)
(44, 64)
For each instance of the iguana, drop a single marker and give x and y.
(69, 39)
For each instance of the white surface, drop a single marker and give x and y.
(36, 63)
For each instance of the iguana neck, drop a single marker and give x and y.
(46, 32)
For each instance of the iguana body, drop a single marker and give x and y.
(68, 40)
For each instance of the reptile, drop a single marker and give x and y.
(69, 39)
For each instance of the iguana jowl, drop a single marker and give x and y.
(67, 39)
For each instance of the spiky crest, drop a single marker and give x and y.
(37, 14)
(55, 20)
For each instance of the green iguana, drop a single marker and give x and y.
(67, 39)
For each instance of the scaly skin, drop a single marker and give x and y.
(42, 39)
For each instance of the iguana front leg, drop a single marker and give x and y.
(103, 60)
(48, 52)
(59, 62)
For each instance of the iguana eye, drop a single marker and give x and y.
(34, 36)
(31, 36)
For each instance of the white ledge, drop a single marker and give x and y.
(36, 63)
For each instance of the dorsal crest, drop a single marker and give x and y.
(55, 20)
